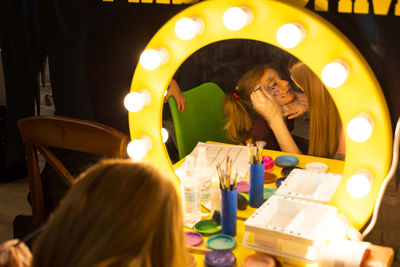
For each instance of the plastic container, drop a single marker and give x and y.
(289, 227)
(268, 163)
(190, 188)
(256, 185)
(202, 172)
(228, 212)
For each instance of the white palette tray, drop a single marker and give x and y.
(311, 185)
(289, 226)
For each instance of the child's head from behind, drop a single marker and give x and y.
(119, 213)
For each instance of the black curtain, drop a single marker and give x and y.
(22, 59)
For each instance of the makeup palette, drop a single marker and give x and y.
(289, 227)
(310, 185)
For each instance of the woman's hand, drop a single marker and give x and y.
(176, 92)
(11, 256)
(295, 109)
(266, 105)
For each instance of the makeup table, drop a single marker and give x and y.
(379, 254)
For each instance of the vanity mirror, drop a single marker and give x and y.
(349, 79)
(237, 66)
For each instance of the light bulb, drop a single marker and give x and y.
(290, 35)
(151, 59)
(360, 128)
(236, 18)
(335, 74)
(138, 148)
(135, 101)
(359, 185)
(187, 28)
(164, 134)
(337, 228)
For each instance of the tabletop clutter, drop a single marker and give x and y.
(290, 221)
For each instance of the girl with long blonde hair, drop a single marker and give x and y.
(326, 138)
(119, 213)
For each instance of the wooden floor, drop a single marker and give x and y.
(13, 201)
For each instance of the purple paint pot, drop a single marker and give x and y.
(220, 258)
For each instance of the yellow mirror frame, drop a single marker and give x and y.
(323, 44)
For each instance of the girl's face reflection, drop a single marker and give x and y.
(280, 88)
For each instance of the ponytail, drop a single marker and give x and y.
(238, 108)
(239, 122)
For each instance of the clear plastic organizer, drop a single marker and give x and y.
(289, 227)
(311, 185)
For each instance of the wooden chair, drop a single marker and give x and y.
(41, 132)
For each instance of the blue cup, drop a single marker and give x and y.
(256, 193)
(228, 211)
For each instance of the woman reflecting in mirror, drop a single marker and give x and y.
(263, 119)
(326, 138)
(326, 130)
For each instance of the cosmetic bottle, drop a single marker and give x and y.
(190, 188)
(204, 177)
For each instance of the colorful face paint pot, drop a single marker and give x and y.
(243, 187)
(191, 260)
(221, 242)
(317, 167)
(220, 258)
(259, 260)
(287, 170)
(286, 161)
(207, 227)
(279, 181)
(268, 192)
(193, 238)
(268, 163)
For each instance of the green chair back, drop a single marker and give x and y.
(203, 119)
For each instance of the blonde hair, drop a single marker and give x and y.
(119, 213)
(325, 122)
(238, 110)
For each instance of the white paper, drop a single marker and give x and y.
(218, 153)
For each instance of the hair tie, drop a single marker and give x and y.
(235, 95)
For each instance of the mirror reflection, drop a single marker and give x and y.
(266, 95)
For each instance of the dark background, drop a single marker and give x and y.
(93, 48)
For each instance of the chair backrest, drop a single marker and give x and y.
(39, 133)
(203, 119)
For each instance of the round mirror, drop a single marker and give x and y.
(232, 62)
(342, 68)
